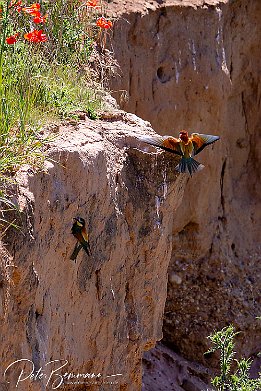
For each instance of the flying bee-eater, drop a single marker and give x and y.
(185, 146)
(80, 233)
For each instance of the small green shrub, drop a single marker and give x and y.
(238, 380)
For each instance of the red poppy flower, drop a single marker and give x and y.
(13, 3)
(36, 36)
(32, 9)
(92, 3)
(16, 4)
(39, 18)
(103, 23)
(12, 39)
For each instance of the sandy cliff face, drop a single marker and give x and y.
(103, 311)
(196, 65)
(185, 64)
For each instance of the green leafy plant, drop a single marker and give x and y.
(238, 380)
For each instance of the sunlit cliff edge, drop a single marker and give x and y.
(103, 311)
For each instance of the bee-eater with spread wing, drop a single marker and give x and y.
(80, 233)
(185, 146)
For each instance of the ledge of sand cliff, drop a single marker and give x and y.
(102, 312)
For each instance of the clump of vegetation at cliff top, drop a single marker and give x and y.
(45, 50)
(238, 379)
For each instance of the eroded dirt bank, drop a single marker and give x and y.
(103, 311)
(196, 65)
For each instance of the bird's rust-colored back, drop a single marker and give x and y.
(183, 135)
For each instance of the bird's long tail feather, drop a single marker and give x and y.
(75, 252)
(189, 165)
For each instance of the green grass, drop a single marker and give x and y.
(43, 82)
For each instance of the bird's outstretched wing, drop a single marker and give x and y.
(168, 143)
(200, 141)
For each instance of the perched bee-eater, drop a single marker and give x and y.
(184, 146)
(80, 233)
